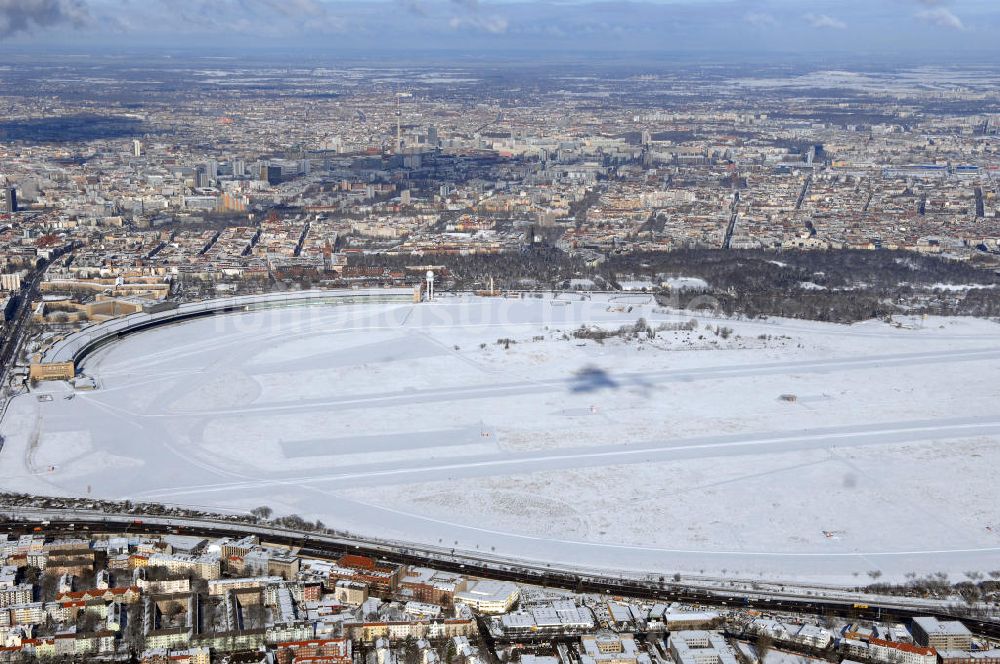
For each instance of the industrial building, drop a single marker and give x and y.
(491, 597)
(941, 634)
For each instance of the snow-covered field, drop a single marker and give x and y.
(677, 453)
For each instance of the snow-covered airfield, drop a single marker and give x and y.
(676, 454)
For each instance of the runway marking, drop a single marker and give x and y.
(508, 464)
(488, 391)
(321, 489)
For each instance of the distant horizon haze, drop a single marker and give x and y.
(944, 31)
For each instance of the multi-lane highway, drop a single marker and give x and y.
(733, 217)
(16, 328)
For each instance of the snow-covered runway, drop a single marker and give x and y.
(785, 449)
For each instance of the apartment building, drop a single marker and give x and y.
(20, 594)
(700, 647)
(380, 578)
(222, 586)
(900, 653)
(423, 584)
(204, 567)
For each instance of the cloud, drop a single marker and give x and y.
(27, 15)
(272, 19)
(825, 22)
(760, 20)
(308, 14)
(588, 25)
(493, 24)
(941, 17)
(413, 7)
(294, 8)
(472, 18)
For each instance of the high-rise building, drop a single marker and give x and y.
(432, 136)
(232, 203)
(239, 168)
(136, 148)
(8, 203)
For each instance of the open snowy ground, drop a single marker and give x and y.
(668, 454)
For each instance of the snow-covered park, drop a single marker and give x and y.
(769, 448)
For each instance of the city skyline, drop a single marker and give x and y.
(499, 332)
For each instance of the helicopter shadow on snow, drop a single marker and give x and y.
(592, 379)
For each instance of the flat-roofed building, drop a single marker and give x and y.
(700, 647)
(969, 657)
(422, 610)
(423, 584)
(19, 594)
(22, 614)
(237, 547)
(350, 592)
(493, 597)
(609, 648)
(54, 371)
(690, 620)
(559, 616)
(893, 632)
(222, 586)
(204, 567)
(941, 634)
(285, 566)
(329, 651)
(381, 578)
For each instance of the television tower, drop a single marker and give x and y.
(399, 121)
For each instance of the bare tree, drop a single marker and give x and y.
(763, 646)
(262, 512)
(50, 586)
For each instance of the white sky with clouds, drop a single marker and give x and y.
(796, 26)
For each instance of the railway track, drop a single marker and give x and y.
(311, 544)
